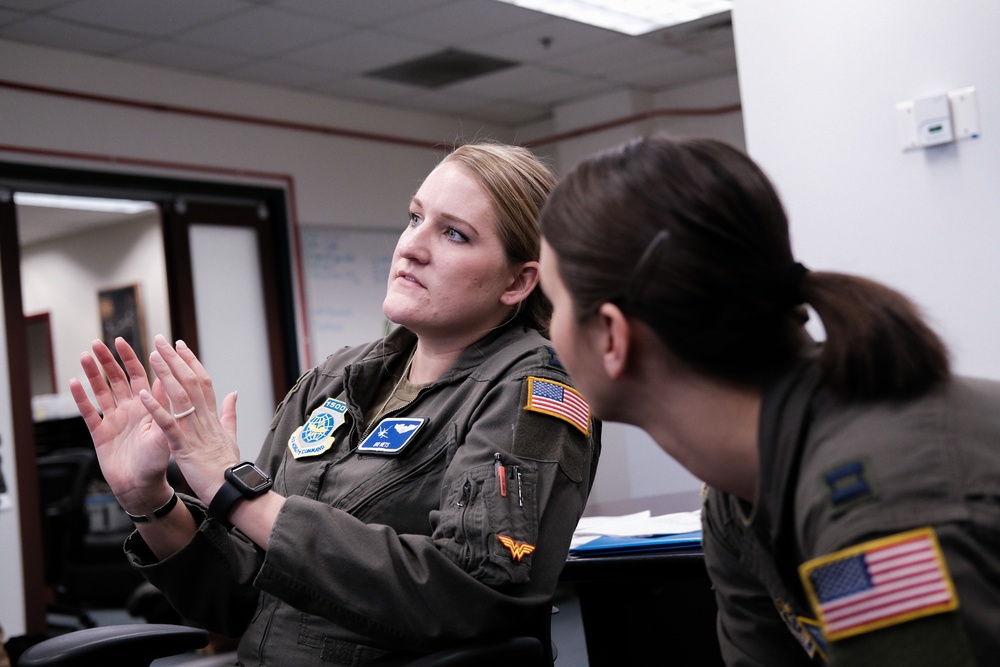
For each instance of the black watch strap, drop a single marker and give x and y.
(222, 503)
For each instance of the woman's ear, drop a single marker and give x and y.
(616, 342)
(522, 282)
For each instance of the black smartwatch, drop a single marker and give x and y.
(244, 480)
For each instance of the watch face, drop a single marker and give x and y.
(249, 475)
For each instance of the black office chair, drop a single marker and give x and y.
(137, 645)
(63, 477)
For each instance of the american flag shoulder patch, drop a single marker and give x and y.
(559, 400)
(879, 583)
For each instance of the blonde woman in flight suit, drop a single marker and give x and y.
(423, 488)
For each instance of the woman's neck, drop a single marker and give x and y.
(436, 354)
(429, 366)
(709, 427)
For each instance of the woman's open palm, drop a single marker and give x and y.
(131, 448)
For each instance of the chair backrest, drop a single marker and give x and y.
(63, 478)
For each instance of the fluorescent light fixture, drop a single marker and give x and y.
(632, 17)
(83, 203)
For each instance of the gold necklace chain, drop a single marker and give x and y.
(395, 388)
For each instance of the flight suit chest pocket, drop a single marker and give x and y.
(489, 525)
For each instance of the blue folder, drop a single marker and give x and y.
(611, 544)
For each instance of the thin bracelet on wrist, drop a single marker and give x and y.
(157, 513)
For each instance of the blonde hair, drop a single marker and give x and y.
(518, 184)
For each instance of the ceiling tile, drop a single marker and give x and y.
(462, 22)
(543, 40)
(510, 113)
(440, 100)
(360, 51)
(262, 31)
(9, 16)
(184, 57)
(280, 74)
(326, 47)
(357, 12)
(363, 88)
(147, 17)
(671, 72)
(527, 81)
(62, 35)
(31, 5)
(614, 56)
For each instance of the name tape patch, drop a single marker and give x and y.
(392, 435)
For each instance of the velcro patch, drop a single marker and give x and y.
(518, 549)
(559, 400)
(805, 630)
(316, 435)
(849, 484)
(879, 583)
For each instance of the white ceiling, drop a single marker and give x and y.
(42, 223)
(327, 47)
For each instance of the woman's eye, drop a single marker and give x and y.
(414, 219)
(455, 235)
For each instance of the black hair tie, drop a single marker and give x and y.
(790, 288)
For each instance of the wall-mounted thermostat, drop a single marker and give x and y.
(938, 119)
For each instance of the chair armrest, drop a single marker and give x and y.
(135, 644)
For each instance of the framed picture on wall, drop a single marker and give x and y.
(121, 315)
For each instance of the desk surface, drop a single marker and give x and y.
(647, 603)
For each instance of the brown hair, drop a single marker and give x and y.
(518, 184)
(690, 236)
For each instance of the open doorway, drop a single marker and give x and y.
(95, 268)
(100, 274)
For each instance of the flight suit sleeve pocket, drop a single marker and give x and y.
(489, 529)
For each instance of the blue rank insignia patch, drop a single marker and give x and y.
(316, 435)
(392, 435)
(848, 484)
(554, 358)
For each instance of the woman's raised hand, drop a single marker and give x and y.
(131, 448)
(201, 438)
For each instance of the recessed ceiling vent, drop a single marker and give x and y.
(441, 69)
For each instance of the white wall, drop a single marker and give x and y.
(820, 81)
(632, 464)
(63, 277)
(337, 181)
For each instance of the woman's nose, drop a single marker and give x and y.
(413, 243)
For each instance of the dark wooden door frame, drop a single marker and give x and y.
(274, 237)
(177, 222)
(22, 425)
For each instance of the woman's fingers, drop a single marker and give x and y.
(161, 416)
(177, 378)
(112, 370)
(137, 377)
(91, 417)
(105, 399)
(201, 375)
(184, 379)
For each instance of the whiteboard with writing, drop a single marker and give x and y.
(345, 272)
